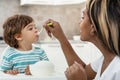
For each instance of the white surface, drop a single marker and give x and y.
(51, 2)
(55, 55)
(76, 37)
(87, 51)
(42, 68)
(56, 76)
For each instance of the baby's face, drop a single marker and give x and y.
(30, 33)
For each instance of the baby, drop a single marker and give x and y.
(20, 33)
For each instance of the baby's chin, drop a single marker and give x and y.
(37, 39)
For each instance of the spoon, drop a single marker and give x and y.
(50, 24)
(41, 30)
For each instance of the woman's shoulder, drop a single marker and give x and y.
(115, 68)
(98, 62)
(116, 63)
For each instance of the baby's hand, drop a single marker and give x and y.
(12, 72)
(27, 70)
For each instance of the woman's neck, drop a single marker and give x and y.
(108, 55)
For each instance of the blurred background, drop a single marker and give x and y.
(67, 12)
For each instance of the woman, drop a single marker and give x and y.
(101, 27)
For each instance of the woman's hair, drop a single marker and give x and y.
(105, 16)
(13, 25)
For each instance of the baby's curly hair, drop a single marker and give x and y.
(13, 25)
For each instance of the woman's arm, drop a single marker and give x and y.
(74, 68)
(68, 51)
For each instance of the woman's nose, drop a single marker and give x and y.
(80, 21)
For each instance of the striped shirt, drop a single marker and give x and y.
(14, 59)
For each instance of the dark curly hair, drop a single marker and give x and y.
(13, 25)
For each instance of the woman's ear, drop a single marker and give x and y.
(18, 37)
(93, 31)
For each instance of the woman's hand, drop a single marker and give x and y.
(76, 72)
(12, 72)
(27, 70)
(54, 29)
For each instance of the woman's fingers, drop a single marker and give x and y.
(76, 72)
(71, 72)
(54, 30)
(68, 74)
(47, 28)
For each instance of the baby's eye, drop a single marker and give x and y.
(30, 28)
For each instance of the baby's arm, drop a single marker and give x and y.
(27, 70)
(12, 72)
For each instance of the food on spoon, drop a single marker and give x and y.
(50, 24)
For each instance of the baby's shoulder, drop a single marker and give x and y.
(9, 50)
(36, 47)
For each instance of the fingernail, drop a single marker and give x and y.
(75, 61)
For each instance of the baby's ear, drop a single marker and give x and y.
(18, 36)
